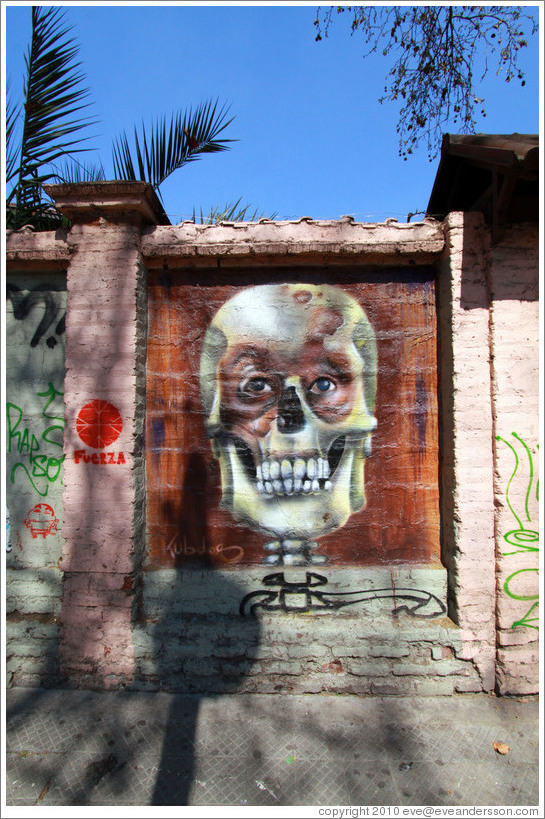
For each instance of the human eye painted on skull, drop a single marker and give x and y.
(288, 379)
(256, 391)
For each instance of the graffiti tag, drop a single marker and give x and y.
(229, 554)
(41, 520)
(99, 424)
(38, 466)
(98, 457)
(24, 302)
(8, 531)
(305, 596)
(523, 536)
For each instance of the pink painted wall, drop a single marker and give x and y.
(101, 430)
(112, 602)
(514, 321)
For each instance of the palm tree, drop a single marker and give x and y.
(53, 95)
(51, 121)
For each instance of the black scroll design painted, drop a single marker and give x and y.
(301, 597)
(24, 301)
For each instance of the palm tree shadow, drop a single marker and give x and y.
(202, 647)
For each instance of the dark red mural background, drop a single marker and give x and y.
(400, 523)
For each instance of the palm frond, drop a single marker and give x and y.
(53, 101)
(13, 115)
(231, 212)
(41, 216)
(171, 144)
(74, 171)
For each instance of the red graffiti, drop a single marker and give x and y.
(41, 520)
(99, 424)
(81, 455)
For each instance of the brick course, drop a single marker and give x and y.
(123, 624)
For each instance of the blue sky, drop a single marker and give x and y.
(313, 139)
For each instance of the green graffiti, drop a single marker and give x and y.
(527, 620)
(507, 586)
(525, 535)
(522, 536)
(51, 393)
(40, 468)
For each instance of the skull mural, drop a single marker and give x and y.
(288, 381)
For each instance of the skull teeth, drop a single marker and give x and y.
(296, 476)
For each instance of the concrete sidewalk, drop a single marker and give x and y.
(68, 747)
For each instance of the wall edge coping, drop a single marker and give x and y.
(39, 247)
(118, 201)
(339, 240)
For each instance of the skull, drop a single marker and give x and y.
(288, 381)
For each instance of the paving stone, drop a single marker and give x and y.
(137, 748)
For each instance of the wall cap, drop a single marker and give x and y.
(125, 202)
(328, 240)
(29, 248)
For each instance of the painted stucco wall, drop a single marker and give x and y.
(103, 509)
(129, 620)
(35, 368)
(514, 318)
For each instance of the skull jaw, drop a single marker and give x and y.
(296, 517)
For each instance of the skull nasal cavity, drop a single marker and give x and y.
(290, 412)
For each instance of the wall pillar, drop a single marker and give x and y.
(467, 473)
(103, 442)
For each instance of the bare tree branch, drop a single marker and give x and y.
(434, 51)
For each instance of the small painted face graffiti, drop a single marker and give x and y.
(288, 379)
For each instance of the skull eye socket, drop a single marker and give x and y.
(322, 386)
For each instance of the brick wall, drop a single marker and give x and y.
(514, 324)
(412, 627)
(35, 366)
(193, 638)
(103, 454)
(467, 468)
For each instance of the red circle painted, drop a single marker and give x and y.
(99, 423)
